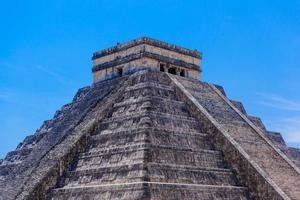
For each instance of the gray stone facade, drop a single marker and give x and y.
(150, 135)
(146, 53)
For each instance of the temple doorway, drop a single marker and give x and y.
(172, 70)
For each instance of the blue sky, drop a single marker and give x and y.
(251, 48)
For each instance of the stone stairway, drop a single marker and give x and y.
(276, 168)
(149, 147)
(34, 162)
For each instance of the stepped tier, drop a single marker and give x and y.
(150, 136)
(152, 153)
(148, 129)
(58, 139)
(159, 136)
(284, 175)
(153, 191)
(154, 172)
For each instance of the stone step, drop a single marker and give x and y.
(154, 172)
(185, 156)
(153, 129)
(151, 190)
(211, 101)
(118, 128)
(16, 156)
(6, 169)
(151, 153)
(153, 114)
(115, 174)
(220, 112)
(150, 136)
(151, 77)
(197, 192)
(155, 85)
(142, 145)
(150, 98)
(158, 172)
(150, 119)
(143, 104)
(149, 90)
(259, 149)
(132, 191)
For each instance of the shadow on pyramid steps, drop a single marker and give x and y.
(153, 136)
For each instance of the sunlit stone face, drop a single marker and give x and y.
(145, 53)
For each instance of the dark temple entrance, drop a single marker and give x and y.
(120, 71)
(172, 70)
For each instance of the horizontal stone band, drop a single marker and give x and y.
(132, 57)
(149, 41)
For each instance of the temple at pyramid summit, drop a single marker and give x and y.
(149, 128)
(146, 54)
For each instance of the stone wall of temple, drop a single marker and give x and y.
(142, 64)
(145, 53)
(147, 48)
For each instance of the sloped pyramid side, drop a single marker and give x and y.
(261, 165)
(149, 147)
(148, 136)
(292, 153)
(36, 163)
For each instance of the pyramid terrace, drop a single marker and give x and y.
(149, 128)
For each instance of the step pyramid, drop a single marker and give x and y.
(151, 135)
(149, 146)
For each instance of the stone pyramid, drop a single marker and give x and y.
(148, 129)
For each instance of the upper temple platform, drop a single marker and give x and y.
(146, 53)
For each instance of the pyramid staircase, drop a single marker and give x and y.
(151, 136)
(246, 147)
(149, 147)
(30, 170)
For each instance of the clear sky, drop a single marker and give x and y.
(251, 48)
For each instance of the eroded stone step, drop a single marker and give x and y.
(150, 77)
(154, 129)
(144, 99)
(151, 136)
(135, 191)
(158, 172)
(148, 104)
(155, 85)
(153, 191)
(150, 119)
(117, 128)
(258, 148)
(6, 169)
(151, 153)
(148, 90)
(190, 82)
(153, 114)
(197, 192)
(153, 172)
(143, 145)
(181, 156)
(211, 101)
(16, 156)
(115, 174)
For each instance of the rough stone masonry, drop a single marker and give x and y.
(149, 129)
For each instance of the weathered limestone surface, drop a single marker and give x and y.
(149, 147)
(275, 137)
(150, 135)
(138, 137)
(145, 53)
(268, 159)
(39, 158)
